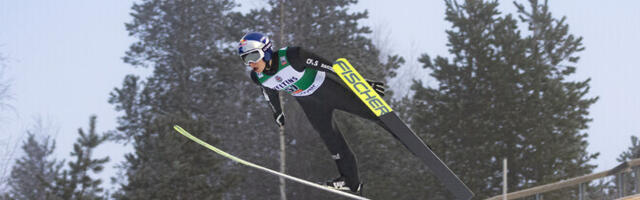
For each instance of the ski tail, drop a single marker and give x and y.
(252, 165)
(380, 108)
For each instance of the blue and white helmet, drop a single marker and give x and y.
(255, 46)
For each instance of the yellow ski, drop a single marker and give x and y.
(249, 164)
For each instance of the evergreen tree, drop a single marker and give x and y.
(505, 95)
(76, 182)
(195, 84)
(32, 173)
(38, 176)
(633, 152)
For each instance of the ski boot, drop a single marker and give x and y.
(340, 184)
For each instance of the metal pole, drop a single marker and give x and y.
(580, 191)
(504, 179)
(283, 162)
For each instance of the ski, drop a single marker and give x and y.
(252, 165)
(414, 144)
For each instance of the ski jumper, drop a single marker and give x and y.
(311, 80)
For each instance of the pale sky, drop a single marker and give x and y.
(65, 58)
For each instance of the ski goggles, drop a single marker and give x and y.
(252, 57)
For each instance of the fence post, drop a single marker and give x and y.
(637, 180)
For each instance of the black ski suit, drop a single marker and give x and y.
(318, 106)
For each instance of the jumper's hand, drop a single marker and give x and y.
(377, 86)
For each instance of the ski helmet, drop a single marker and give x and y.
(253, 47)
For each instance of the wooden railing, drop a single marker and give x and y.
(624, 167)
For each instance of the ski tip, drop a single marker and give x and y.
(181, 130)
